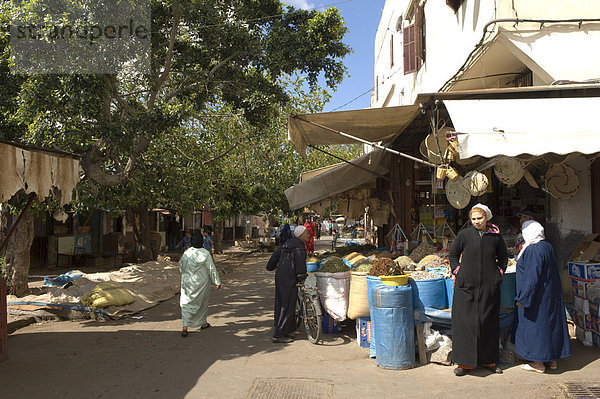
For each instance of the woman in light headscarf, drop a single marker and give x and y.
(197, 272)
(476, 298)
(542, 335)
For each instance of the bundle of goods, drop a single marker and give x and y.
(353, 258)
(405, 262)
(333, 264)
(343, 251)
(431, 261)
(422, 251)
(333, 284)
(386, 267)
(384, 254)
(358, 302)
(423, 275)
(364, 265)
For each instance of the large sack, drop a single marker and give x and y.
(333, 291)
(358, 302)
(106, 294)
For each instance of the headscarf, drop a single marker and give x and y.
(533, 232)
(488, 212)
(299, 230)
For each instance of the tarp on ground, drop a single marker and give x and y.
(149, 283)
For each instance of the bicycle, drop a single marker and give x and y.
(309, 312)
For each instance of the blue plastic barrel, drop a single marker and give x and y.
(312, 266)
(394, 327)
(508, 291)
(372, 281)
(449, 291)
(429, 293)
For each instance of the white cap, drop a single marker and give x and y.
(488, 212)
(299, 230)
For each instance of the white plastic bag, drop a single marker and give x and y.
(433, 338)
(334, 290)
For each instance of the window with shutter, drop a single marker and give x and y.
(414, 43)
(419, 35)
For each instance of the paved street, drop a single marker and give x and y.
(236, 358)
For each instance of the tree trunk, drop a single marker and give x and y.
(16, 257)
(219, 226)
(139, 217)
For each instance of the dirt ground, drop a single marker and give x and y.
(148, 358)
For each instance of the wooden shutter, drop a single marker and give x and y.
(410, 64)
(419, 42)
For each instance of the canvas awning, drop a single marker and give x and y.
(370, 124)
(37, 170)
(339, 179)
(535, 126)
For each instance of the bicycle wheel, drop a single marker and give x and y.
(312, 320)
(299, 310)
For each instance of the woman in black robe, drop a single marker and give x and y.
(290, 262)
(476, 298)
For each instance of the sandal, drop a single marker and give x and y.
(184, 332)
(552, 365)
(204, 327)
(528, 367)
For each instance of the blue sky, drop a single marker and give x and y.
(362, 18)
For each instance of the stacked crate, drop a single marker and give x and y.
(584, 276)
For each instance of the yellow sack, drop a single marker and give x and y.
(106, 294)
(358, 305)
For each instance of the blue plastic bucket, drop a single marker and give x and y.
(312, 266)
(508, 291)
(429, 293)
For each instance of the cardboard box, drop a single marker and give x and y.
(582, 305)
(588, 249)
(330, 326)
(584, 270)
(583, 321)
(585, 337)
(580, 287)
(595, 323)
(363, 331)
(596, 340)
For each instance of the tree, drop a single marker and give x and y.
(200, 50)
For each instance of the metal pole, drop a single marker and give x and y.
(348, 162)
(366, 142)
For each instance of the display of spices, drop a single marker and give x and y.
(423, 275)
(386, 267)
(384, 254)
(431, 261)
(404, 261)
(422, 251)
(313, 259)
(334, 264)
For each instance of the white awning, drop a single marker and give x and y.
(339, 179)
(370, 124)
(533, 126)
(556, 52)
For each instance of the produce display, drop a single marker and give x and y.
(404, 261)
(364, 265)
(422, 251)
(313, 259)
(334, 264)
(386, 267)
(423, 275)
(345, 250)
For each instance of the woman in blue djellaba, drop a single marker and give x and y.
(542, 335)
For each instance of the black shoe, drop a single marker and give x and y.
(459, 371)
(184, 333)
(282, 340)
(494, 369)
(289, 335)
